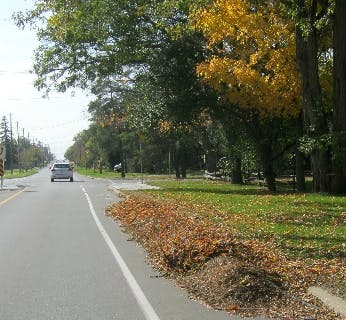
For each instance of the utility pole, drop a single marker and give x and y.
(18, 148)
(11, 145)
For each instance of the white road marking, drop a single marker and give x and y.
(143, 302)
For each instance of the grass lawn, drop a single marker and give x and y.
(90, 173)
(129, 175)
(306, 226)
(106, 174)
(19, 174)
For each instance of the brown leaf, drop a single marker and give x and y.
(232, 307)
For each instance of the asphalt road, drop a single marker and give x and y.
(62, 258)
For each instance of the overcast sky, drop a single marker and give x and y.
(53, 121)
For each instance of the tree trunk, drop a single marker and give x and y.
(237, 177)
(100, 166)
(183, 162)
(266, 155)
(339, 111)
(299, 163)
(211, 161)
(299, 171)
(313, 115)
(177, 172)
(320, 169)
(177, 160)
(123, 169)
(210, 153)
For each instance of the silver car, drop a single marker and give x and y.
(61, 170)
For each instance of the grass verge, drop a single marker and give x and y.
(251, 247)
(308, 226)
(19, 174)
(107, 174)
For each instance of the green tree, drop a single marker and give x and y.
(314, 109)
(84, 41)
(28, 155)
(339, 107)
(108, 43)
(320, 26)
(5, 138)
(77, 151)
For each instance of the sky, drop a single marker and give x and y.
(55, 120)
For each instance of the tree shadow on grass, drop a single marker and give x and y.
(335, 250)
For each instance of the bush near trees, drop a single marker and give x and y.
(268, 74)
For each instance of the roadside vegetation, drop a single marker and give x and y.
(108, 174)
(308, 226)
(241, 248)
(22, 155)
(19, 173)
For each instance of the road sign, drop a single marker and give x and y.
(2, 152)
(1, 168)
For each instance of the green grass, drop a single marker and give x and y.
(19, 174)
(90, 173)
(106, 174)
(130, 175)
(303, 225)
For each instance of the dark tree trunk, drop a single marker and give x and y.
(177, 160)
(313, 115)
(177, 165)
(122, 155)
(320, 169)
(211, 161)
(299, 163)
(266, 155)
(339, 115)
(183, 159)
(299, 170)
(262, 134)
(210, 153)
(237, 177)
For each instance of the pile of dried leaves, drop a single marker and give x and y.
(245, 277)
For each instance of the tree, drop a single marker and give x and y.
(339, 109)
(251, 44)
(5, 138)
(28, 155)
(90, 42)
(314, 109)
(77, 152)
(85, 41)
(320, 29)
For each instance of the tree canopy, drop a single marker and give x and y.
(167, 68)
(253, 56)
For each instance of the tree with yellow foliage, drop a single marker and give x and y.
(252, 66)
(253, 56)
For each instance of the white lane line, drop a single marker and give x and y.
(142, 300)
